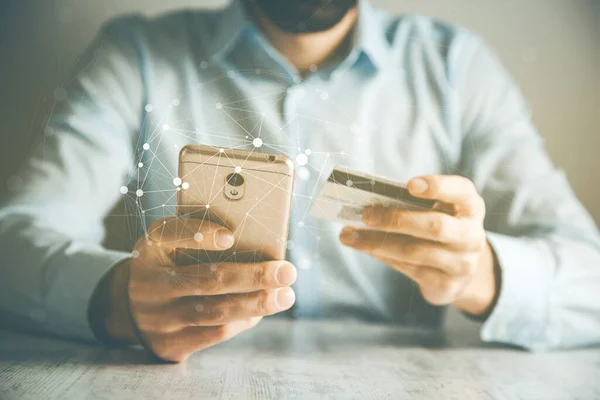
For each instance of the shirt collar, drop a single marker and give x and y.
(370, 37)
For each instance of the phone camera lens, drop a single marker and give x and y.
(235, 179)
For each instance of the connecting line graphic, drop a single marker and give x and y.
(256, 123)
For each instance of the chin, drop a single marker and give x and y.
(305, 16)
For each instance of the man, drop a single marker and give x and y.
(326, 82)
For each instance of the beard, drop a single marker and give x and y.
(305, 16)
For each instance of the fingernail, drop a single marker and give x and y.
(371, 216)
(223, 238)
(418, 186)
(349, 235)
(285, 298)
(286, 274)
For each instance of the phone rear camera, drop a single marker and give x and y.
(235, 179)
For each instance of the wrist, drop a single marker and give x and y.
(479, 297)
(108, 312)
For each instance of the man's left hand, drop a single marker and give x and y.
(445, 253)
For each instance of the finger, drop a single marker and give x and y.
(189, 233)
(406, 268)
(221, 310)
(436, 287)
(410, 250)
(429, 225)
(452, 189)
(147, 254)
(228, 278)
(178, 346)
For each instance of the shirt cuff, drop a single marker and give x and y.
(72, 286)
(521, 315)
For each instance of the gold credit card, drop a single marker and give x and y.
(347, 192)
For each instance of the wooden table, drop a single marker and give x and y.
(283, 359)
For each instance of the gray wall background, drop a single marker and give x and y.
(552, 47)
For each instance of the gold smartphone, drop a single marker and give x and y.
(246, 191)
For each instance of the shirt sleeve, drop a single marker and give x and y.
(547, 244)
(51, 229)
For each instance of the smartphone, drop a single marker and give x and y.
(248, 192)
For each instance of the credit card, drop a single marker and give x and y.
(347, 192)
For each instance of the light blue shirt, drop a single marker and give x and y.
(413, 97)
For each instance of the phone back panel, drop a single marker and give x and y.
(259, 219)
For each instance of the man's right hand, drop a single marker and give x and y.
(178, 310)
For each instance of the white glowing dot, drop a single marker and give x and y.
(177, 181)
(176, 102)
(199, 307)
(213, 267)
(178, 189)
(198, 236)
(313, 68)
(263, 114)
(221, 150)
(146, 146)
(165, 127)
(304, 263)
(172, 272)
(207, 206)
(123, 190)
(324, 95)
(237, 170)
(301, 224)
(135, 254)
(246, 136)
(303, 173)
(203, 64)
(139, 192)
(185, 185)
(348, 182)
(257, 142)
(140, 165)
(148, 107)
(301, 159)
(219, 106)
(308, 152)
